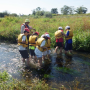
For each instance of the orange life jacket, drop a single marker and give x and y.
(27, 27)
(24, 25)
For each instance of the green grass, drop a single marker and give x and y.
(8, 83)
(80, 24)
(47, 76)
(66, 70)
(4, 76)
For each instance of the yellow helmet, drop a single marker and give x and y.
(27, 20)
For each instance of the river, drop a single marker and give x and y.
(67, 71)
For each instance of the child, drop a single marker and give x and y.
(32, 44)
(41, 45)
(59, 39)
(68, 44)
(48, 44)
(23, 43)
(46, 53)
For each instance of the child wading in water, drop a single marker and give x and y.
(46, 53)
(59, 39)
(41, 46)
(23, 43)
(68, 44)
(32, 45)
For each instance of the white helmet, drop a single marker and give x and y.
(47, 35)
(67, 27)
(42, 35)
(60, 28)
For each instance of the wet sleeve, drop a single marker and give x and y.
(22, 28)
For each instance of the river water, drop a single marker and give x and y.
(62, 70)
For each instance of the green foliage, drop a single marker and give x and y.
(8, 83)
(48, 15)
(54, 14)
(40, 85)
(82, 42)
(47, 76)
(10, 28)
(5, 13)
(81, 10)
(65, 10)
(3, 76)
(66, 70)
(54, 11)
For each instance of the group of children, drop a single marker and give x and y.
(39, 48)
(59, 36)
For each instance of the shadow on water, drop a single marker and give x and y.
(62, 70)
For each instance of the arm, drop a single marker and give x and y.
(31, 28)
(23, 39)
(67, 34)
(43, 45)
(31, 32)
(22, 29)
(64, 34)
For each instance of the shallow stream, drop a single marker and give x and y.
(62, 70)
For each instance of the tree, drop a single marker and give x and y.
(54, 11)
(1, 15)
(42, 13)
(81, 10)
(34, 12)
(38, 12)
(71, 10)
(5, 13)
(65, 10)
(14, 14)
(38, 9)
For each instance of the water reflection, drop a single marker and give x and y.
(61, 70)
(59, 61)
(68, 61)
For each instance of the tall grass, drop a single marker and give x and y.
(10, 28)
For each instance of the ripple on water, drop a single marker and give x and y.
(58, 72)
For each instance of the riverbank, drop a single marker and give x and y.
(7, 82)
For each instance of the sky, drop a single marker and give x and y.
(27, 6)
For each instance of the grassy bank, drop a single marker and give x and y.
(8, 83)
(10, 28)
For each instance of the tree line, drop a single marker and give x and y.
(65, 10)
(5, 13)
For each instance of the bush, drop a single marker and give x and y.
(48, 14)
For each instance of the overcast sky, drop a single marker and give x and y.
(27, 6)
